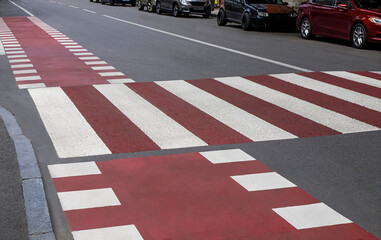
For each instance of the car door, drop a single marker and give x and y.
(341, 19)
(229, 8)
(237, 10)
(321, 16)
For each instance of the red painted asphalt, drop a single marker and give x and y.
(187, 197)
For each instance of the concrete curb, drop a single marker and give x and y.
(38, 218)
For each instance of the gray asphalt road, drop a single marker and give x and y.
(342, 171)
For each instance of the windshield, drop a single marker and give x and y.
(368, 4)
(265, 2)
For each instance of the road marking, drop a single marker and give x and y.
(73, 138)
(129, 232)
(163, 130)
(356, 78)
(72, 6)
(110, 74)
(30, 14)
(303, 108)
(227, 156)
(84, 199)
(311, 216)
(95, 63)
(122, 80)
(262, 181)
(331, 90)
(213, 45)
(103, 68)
(15, 52)
(31, 78)
(73, 169)
(24, 71)
(76, 46)
(241, 121)
(21, 65)
(2, 50)
(17, 56)
(19, 60)
(78, 50)
(31, 85)
(87, 10)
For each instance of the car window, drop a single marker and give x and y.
(325, 2)
(265, 2)
(368, 4)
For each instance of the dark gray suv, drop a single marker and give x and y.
(185, 7)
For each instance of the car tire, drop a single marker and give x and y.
(150, 8)
(306, 29)
(112, 3)
(206, 15)
(175, 10)
(359, 36)
(221, 18)
(140, 5)
(102, 2)
(133, 3)
(158, 7)
(91, 0)
(246, 24)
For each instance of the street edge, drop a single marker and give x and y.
(38, 218)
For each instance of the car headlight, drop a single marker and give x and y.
(263, 14)
(375, 20)
(293, 14)
(184, 2)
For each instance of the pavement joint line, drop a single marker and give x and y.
(212, 45)
(36, 207)
(30, 14)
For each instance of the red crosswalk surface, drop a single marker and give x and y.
(116, 118)
(224, 194)
(41, 56)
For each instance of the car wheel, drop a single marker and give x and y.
(359, 36)
(158, 7)
(150, 8)
(140, 5)
(175, 10)
(133, 3)
(103, 2)
(112, 3)
(305, 29)
(221, 18)
(246, 24)
(206, 15)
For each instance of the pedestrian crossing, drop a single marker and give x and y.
(224, 194)
(131, 117)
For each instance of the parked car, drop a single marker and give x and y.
(185, 7)
(256, 13)
(358, 21)
(150, 4)
(123, 2)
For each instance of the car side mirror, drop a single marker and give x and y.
(342, 6)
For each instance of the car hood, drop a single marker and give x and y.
(273, 8)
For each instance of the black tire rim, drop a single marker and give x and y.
(305, 28)
(358, 36)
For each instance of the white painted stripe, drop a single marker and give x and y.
(109, 74)
(163, 130)
(11, 45)
(331, 90)
(9, 42)
(69, 43)
(303, 108)
(227, 156)
(121, 80)
(17, 56)
(96, 63)
(7, 37)
(63, 41)
(7, 49)
(15, 52)
(86, 10)
(30, 78)
(356, 78)
(52, 31)
(71, 135)
(77, 46)
(241, 121)
(22, 66)
(32, 85)
(73, 169)
(57, 35)
(262, 181)
(377, 72)
(126, 232)
(213, 45)
(25, 71)
(19, 60)
(78, 50)
(311, 216)
(84, 54)
(61, 38)
(84, 199)
(72, 6)
(103, 68)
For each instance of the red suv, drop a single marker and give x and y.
(356, 20)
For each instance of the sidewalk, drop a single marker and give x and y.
(13, 223)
